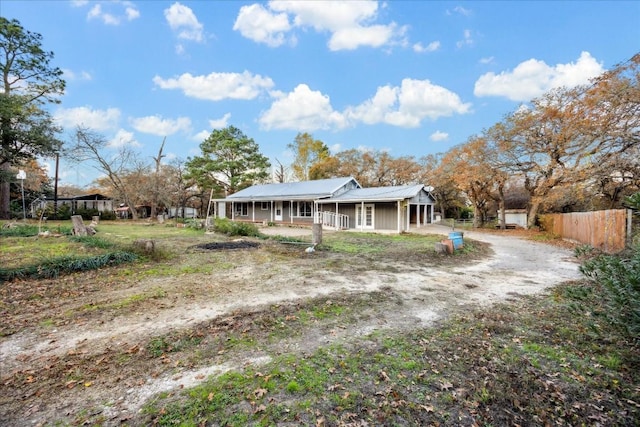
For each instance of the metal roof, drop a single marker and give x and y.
(398, 192)
(305, 190)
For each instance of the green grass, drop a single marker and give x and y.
(24, 254)
(373, 243)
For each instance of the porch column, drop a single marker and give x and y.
(290, 211)
(233, 211)
(271, 210)
(337, 221)
(316, 217)
(253, 214)
(418, 213)
(399, 216)
(408, 224)
(362, 216)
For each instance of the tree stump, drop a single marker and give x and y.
(145, 245)
(79, 229)
(444, 247)
(316, 234)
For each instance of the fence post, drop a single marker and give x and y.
(629, 237)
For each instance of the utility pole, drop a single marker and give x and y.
(22, 176)
(55, 189)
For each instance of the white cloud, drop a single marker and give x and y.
(303, 110)
(467, 39)
(180, 49)
(201, 136)
(487, 60)
(220, 123)
(99, 120)
(218, 86)
(257, 23)
(70, 75)
(408, 105)
(351, 24)
(404, 106)
(122, 138)
(533, 78)
(351, 38)
(117, 11)
(182, 20)
(439, 136)
(431, 47)
(132, 13)
(156, 125)
(462, 11)
(374, 110)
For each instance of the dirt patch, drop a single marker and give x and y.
(217, 246)
(94, 347)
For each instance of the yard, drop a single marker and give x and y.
(367, 330)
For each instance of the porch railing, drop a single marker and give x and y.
(331, 219)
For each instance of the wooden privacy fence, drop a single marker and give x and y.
(604, 230)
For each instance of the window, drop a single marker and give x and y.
(264, 206)
(303, 209)
(242, 209)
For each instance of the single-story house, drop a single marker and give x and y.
(339, 203)
(88, 201)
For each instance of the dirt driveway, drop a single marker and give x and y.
(414, 295)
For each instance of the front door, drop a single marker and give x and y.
(278, 213)
(365, 216)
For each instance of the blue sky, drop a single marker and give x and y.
(408, 77)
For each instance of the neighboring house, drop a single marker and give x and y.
(184, 212)
(338, 203)
(513, 217)
(89, 201)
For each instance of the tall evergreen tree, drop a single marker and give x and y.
(29, 83)
(230, 161)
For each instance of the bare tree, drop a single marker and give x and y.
(280, 173)
(92, 148)
(155, 193)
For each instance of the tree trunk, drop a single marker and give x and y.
(477, 217)
(501, 206)
(532, 212)
(5, 191)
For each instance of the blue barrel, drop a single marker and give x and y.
(456, 238)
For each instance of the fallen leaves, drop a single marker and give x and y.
(260, 392)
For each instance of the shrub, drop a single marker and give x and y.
(108, 215)
(53, 267)
(87, 214)
(619, 276)
(64, 212)
(231, 228)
